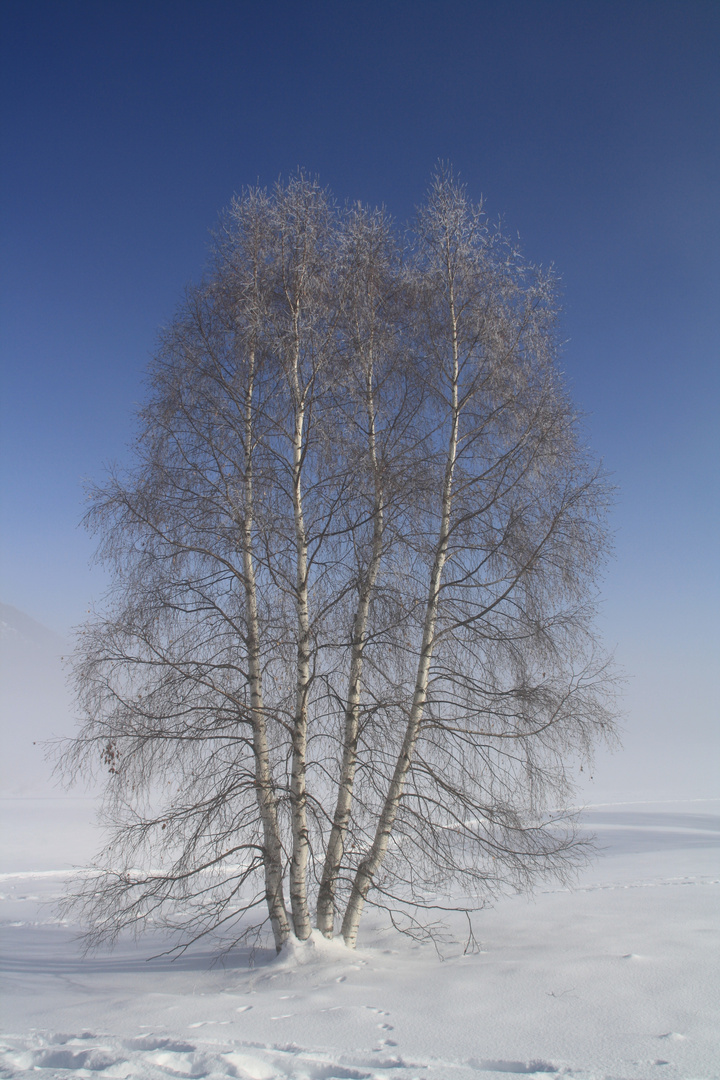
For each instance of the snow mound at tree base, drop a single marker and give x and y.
(317, 949)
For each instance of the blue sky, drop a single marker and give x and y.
(592, 127)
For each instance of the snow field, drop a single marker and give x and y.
(616, 980)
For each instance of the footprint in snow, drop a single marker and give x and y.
(150, 1042)
(523, 1068)
(243, 1008)
(386, 1027)
(56, 1058)
(59, 1038)
(334, 1072)
(248, 1066)
(176, 1063)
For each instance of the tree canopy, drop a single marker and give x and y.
(348, 653)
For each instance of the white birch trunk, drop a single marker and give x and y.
(341, 819)
(298, 793)
(263, 776)
(372, 863)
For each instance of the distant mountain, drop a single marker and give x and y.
(35, 703)
(15, 626)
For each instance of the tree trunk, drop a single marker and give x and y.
(298, 793)
(341, 819)
(272, 853)
(372, 863)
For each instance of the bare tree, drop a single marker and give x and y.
(511, 537)
(348, 652)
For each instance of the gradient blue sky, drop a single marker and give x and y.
(592, 127)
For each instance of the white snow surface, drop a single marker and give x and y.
(616, 979)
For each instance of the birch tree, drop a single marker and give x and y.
(348, 654)
(510, 538)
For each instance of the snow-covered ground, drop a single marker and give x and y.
(619, 978)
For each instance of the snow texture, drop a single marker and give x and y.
(618, 979)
